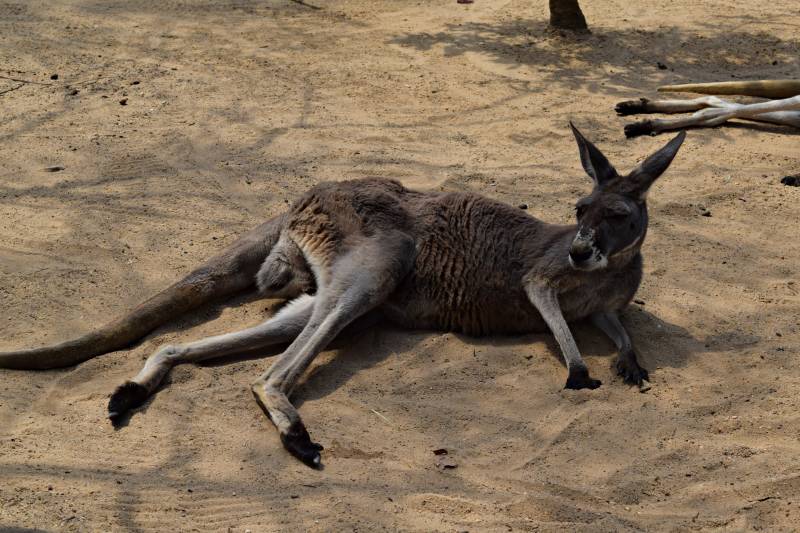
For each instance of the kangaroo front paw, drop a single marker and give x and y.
(628, 367)
(128, 396)
(297, 441)
(579, 379)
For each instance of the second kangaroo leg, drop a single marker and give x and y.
(627, 364)
(283, 327)
(645, 105)
(784, 112)
(357, 283)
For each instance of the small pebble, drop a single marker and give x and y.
(54, 77)
(523, 206)
(124, 101)
(444, 462)
(661, 66)
(54, 168)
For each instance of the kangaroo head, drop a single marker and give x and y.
(612, 220)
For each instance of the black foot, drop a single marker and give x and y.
(792, 181)
(579, 379)
(636, 129)
(632, 107)
(297, 441)
(628, 367)
(128, 396)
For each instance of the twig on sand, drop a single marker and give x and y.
(21, 83)
(12, 89)
(302, 3)
(381, 416)
(24, 81)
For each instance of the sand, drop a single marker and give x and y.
(233, 108)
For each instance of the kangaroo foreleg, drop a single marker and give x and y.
(228, 273)
(282, 328)
(545, 300)
(627, 364)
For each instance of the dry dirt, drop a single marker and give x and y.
(233, 107)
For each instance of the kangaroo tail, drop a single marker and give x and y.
(765, 88)
(230, 272)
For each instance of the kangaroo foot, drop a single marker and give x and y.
(579, 379)
(645, 127)
(128, 396)
(628, 367)
(632, 107)
(297, 441)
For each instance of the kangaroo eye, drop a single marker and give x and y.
(580, 210)
(617, 212)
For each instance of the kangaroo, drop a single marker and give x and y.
(441, 260)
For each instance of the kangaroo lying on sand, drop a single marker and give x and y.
(447, 261)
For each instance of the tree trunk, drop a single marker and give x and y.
(567, 14)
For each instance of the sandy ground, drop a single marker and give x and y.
(236, 106)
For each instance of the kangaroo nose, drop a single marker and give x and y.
(580, 255)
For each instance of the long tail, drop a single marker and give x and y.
(764, 88)
(228, 273)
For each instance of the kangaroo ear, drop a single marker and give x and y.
(594, 162)
(651, 168)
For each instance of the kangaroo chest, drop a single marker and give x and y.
(455, 289)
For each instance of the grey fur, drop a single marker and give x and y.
(449, 261)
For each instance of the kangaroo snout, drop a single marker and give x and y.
(581, 253)
(582, 247)
(584, 253)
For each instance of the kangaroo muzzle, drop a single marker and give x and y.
(584, 253)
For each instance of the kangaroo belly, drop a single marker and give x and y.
(457, 288)
(503, 315)
(467, 274)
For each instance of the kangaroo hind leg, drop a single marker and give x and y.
(281, 328)
(356, 283)
(645, 105)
